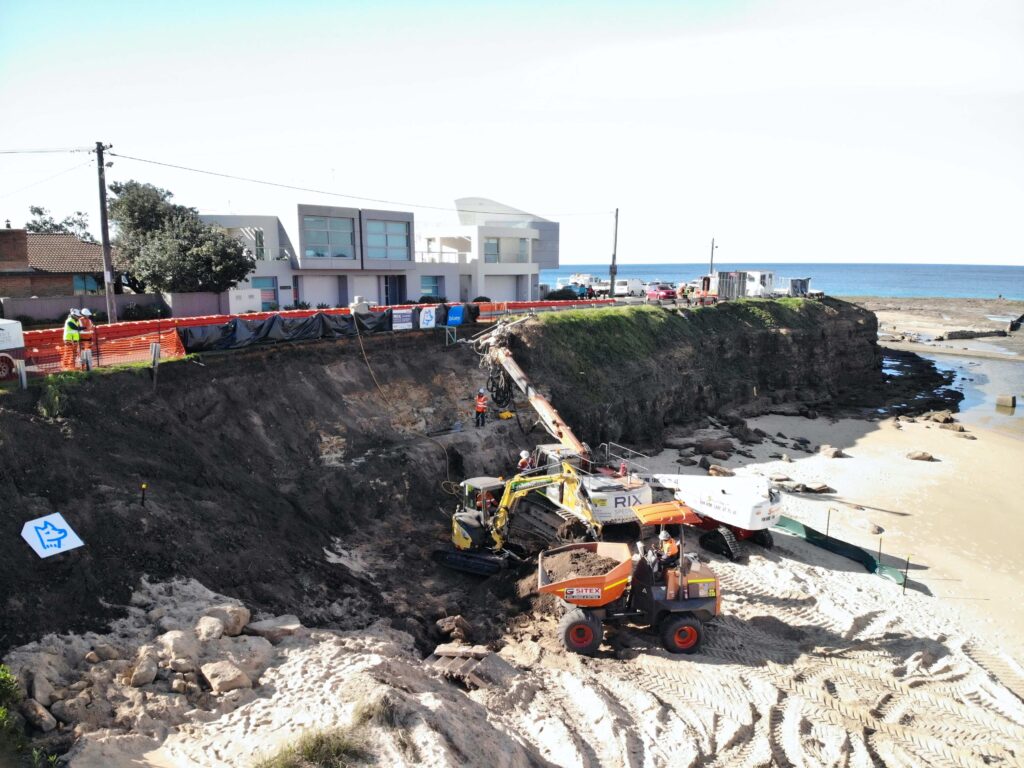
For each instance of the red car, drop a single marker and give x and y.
(661, 291)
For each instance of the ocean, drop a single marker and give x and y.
(896, 280)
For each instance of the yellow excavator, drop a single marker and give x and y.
(488, 510)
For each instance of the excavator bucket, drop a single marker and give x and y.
(666, 513)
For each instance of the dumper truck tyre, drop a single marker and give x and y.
(581, 631)
(6, 367)
(682, 634)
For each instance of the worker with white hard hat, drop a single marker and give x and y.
(88, 332)
(668, 546)
(525, 462)
(481, 407)
(72, 339)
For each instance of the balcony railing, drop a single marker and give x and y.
(443, 257)
(267, 254)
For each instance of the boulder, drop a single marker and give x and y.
(831, 452)
(275, 629)
(249, 653)
(686, 462)
(223, 676)
(92, 657)
(209, 628)
(182, 665)
(454, 627)
(720, 455)
(145, 668)
(716, 471)
(41, 690)
(780, 478)
(745, 434)
(106, 652)
(819, 488)
(1006, 401)
(801, 440)
(966, 436)
(234, 617)
(704, 463)
(785, 458)
(178, 685)
(710, 445)
(953, 427)
(37, 716)
(178, 644)
(920, 456)
(940, 417)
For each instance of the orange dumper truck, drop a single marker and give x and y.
(675, 601)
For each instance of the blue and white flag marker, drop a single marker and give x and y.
(50, 535)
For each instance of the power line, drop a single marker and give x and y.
(41, 151)
(332, 194)
(48, 178)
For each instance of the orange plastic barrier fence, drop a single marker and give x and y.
(46, 352)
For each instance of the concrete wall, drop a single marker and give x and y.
(364, 285)
(545, 247)
(320, 289)
(196, 304)
(58, 306)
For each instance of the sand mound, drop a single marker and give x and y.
(573, 565)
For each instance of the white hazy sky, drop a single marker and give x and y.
(801, 130)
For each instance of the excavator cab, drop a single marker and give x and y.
(472, 522)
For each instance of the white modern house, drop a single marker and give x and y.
(498, 250)
(337, 254)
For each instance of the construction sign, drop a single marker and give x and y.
(50, 535)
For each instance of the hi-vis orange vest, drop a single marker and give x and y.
(481, 403)
(669, 548)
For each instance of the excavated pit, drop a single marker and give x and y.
(284, 477)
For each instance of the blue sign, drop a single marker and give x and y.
(50, 535)
(455, 315)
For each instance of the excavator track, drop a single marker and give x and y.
(722, 541)
(478, 563)
(535, 526)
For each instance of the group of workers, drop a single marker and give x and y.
(79, 333)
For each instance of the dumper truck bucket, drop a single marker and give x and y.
(666, 513)
(589, 591)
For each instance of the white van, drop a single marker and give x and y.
(629, 286)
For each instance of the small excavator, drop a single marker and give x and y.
(482, 521)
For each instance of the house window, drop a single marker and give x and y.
(268, 292)
(492, 250)
(524, 250)
(387, 240)
(86, 284)
(257, 237)
(429, 286)
(326, 236)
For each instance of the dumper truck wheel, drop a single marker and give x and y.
(6, 368)
(581, 631)
(682, 634)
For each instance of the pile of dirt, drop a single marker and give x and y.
(576, 564)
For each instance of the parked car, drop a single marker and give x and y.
(571, 285)
(630, 286)
(660, 291)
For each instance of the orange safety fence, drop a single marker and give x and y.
(46, 352)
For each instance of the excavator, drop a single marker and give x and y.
(482, 524)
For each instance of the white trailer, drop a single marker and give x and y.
(12, 347)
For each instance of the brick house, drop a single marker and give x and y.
(48, 265)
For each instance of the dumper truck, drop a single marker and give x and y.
(673, 601)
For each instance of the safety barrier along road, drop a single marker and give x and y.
(129, 342)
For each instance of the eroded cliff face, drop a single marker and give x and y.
(624, 374)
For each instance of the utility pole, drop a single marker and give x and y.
(615, 248)
(108, 266)
(711, 267)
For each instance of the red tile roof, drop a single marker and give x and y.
(64, 254)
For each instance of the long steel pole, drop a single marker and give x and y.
(615, 249)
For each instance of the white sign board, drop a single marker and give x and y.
(428, 317)
(401, 320)
(50, 535)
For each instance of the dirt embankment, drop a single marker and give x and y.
(283, 477)
(624, 374)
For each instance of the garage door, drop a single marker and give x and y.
(501, 288)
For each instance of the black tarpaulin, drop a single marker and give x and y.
(238, 333)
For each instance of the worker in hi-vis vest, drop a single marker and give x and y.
(481, 407)
(72, 337)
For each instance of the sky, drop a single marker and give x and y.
(800, 130)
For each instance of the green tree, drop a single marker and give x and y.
(164, 246)
(43, 223)
(186, 255)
